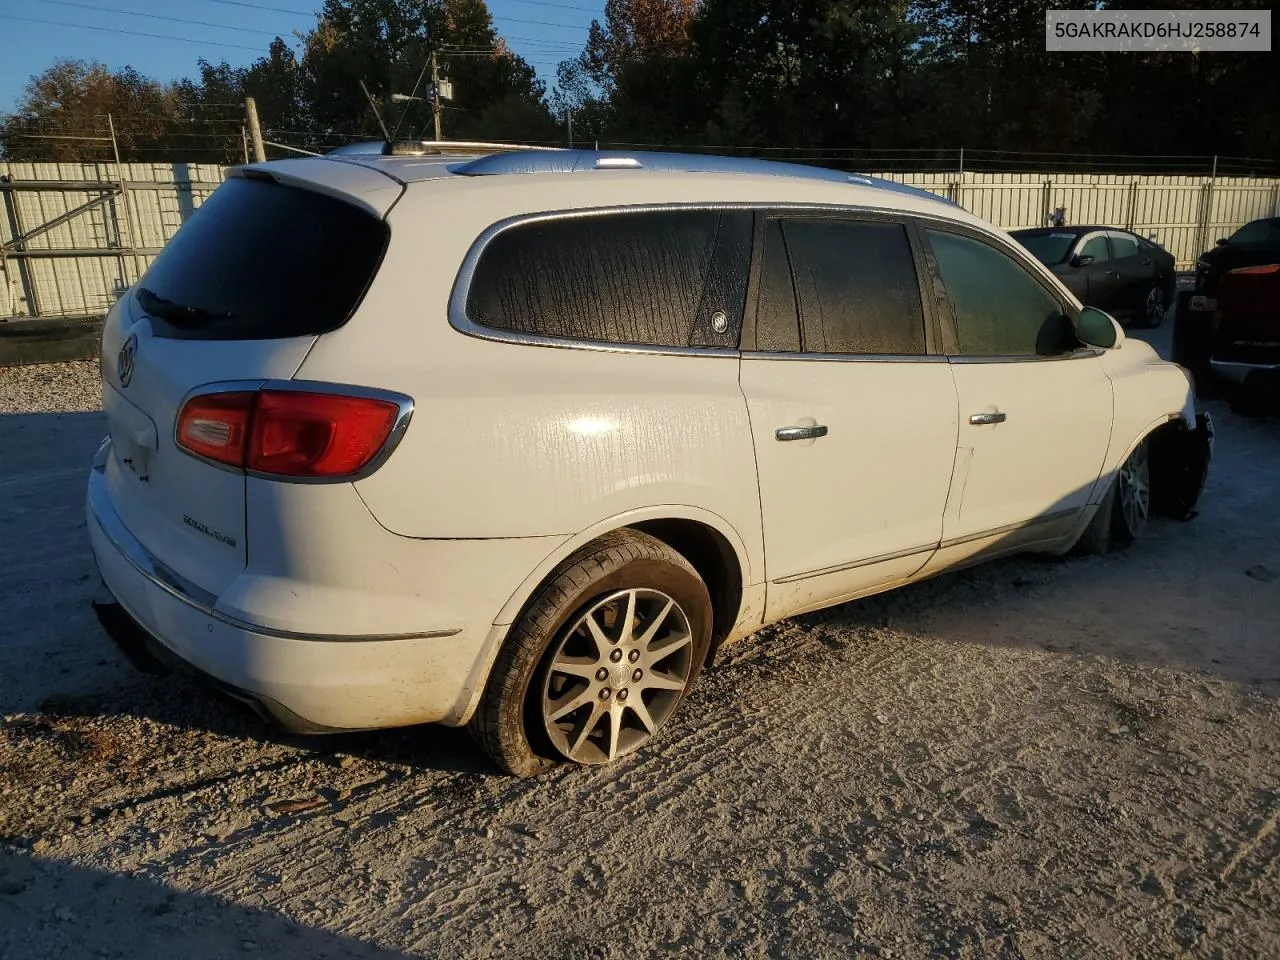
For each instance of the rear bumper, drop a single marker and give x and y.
(1238, 372)
(306, 682)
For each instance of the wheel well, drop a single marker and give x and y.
(1179, 466)
(711, 555)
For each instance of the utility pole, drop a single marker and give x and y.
(435, 92)
(124, 204)
(569, 116)
(255, 131)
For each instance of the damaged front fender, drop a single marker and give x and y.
(1180, 456)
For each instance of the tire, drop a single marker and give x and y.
(1096, 539)
(1123, 514)
(553, 658)
(1154, 305)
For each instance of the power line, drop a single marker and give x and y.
(598, 11)
(155, 16)
(542, 23)
(131, 33)
(260, 6)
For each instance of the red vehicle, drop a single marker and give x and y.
(1227, 331)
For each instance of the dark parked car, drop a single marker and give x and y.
(1227, 330)
(1129, 277)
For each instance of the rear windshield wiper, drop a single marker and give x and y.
(179, 314)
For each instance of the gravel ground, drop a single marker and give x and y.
(1026, 759)
(71, 387)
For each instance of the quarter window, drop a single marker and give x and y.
(1124, 246)
(851, 283)
(662, 278)
(1000, 309)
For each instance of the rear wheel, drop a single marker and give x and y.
(600, 659)
(1155, 305)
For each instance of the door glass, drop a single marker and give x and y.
(1124, 246)
(1096, 247)
(1000, 309)
(856, 287)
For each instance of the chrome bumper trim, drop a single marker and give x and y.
(181, 589)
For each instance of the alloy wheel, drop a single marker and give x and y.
(616, 675)
(1155, 306)
(1135, 492)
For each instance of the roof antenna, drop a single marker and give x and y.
(376, 112)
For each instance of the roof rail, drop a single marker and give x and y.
(421, 148)
(577, 161)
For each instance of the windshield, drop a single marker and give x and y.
(1048, 248)
(1260, 231)
(259, 261)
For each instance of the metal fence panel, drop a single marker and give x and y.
(115, 240)
(160, 196)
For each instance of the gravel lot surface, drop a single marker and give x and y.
(1026, 759)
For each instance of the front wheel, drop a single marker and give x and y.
(1123, 514)
(600, 659)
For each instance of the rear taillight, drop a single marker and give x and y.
(1265, 268)
(216, 426)
(288, 433)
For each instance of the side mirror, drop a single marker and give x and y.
(1082, 260)
(1098, 329)
(1221, 241)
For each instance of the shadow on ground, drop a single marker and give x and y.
(54, 909)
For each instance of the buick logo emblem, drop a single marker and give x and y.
(124, 360)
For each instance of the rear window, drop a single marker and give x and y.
(657, 278)
(262, 261)
(1259, 231)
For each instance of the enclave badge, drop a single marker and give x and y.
(124, 360)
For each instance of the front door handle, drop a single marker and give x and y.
(980, 419)
(800, 433)
(1114, 275)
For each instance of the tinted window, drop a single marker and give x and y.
(1259, 231)
(258, 261)
(855, 286)
(644, 278)
(777, 324)
(1048, 248)
(1124, 246)
(1096, 247)
(1000, 309)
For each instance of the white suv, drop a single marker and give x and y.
(518, 441)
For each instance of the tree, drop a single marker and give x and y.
(387, 44)
(72, 99)
(632, 77)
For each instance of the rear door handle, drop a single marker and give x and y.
(980, 419)
(800, 433)
(1113, 274)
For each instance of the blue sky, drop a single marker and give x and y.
(544, 32)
